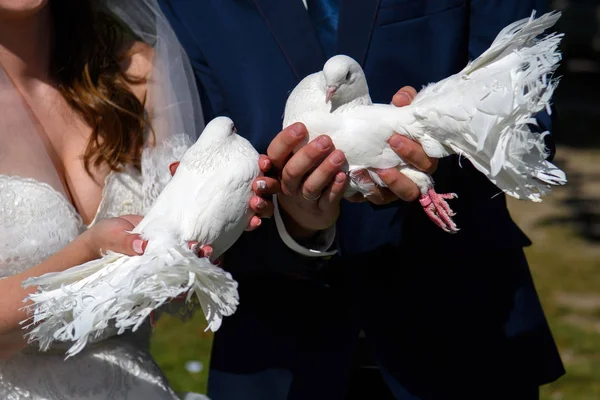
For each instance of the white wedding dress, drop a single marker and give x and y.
(36, 221)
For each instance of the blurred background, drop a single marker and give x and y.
(565, 230)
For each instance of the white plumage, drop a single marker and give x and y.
(481, 113)
(207, 201)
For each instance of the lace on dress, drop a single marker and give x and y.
(37, 220)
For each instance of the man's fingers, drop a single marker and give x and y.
(318, 180)
(284, 144)
(404, 96)
(334, 192)
(306, 159)
(173, 167)
(399, 184)
(412, 152)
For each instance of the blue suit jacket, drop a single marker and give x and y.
(249, 54)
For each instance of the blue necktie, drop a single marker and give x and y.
(324, 15)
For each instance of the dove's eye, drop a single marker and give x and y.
(348, 75)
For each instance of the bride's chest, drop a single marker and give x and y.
(66, 137)
(35, 222)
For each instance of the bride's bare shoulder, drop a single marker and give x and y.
(136, 63)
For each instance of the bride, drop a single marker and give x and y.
(90, 121)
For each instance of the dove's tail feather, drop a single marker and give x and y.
(121, 292)
(485, 112)
(519, 34)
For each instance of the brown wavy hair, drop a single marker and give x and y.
(86, 67)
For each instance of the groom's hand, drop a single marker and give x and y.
(398, 184)
(312, 180)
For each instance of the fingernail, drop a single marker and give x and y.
(265, 164)
(260, 204)
(207, 252)
(261, 184)
(395, 141)
(339, 178)
(297, 130)
(323, 143)
(337, 158)
(405, 95)
(138, 246)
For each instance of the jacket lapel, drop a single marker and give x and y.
(290, 25)
(357, 20)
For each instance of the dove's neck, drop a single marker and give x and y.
(363, 100)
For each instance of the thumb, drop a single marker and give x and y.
(404, 96)
(132, 244)
(120, 241)
(115, 234)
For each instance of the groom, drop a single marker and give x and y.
(451, 316)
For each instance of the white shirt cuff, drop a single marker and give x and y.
(319, 250)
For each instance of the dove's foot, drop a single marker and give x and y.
(438, 210)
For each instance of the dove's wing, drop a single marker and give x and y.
(189, 207)
(219, 223)
(363, 141)
(404, 121)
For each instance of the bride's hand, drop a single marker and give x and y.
(113, 234)
(263, 186)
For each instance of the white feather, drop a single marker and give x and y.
(482, 113)
(206, 201)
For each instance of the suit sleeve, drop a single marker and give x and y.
(487, 19)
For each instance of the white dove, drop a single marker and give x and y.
(308, 96)
(482, 113)
(207, 201)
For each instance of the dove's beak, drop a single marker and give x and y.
(330, 92)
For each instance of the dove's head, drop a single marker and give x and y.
(344, 80)
(218, 128)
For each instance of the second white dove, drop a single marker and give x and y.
(482, 113)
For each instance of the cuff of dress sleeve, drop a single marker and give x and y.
(318, 249)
